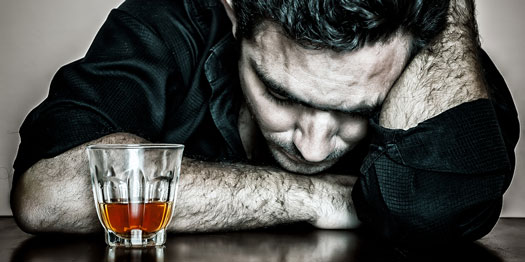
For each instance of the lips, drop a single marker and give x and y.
(295, 159)
(298, 160)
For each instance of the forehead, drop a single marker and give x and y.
(325, 77)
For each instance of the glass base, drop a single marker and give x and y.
(137, 239)
(114, 254)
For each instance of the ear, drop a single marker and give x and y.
(228, 5)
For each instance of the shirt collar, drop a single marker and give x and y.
(221, 70)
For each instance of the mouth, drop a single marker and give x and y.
(292, 157)
(295, 163)
(299, 160)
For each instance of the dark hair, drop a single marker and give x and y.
(344, 25)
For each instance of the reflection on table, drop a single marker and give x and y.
(277, 244)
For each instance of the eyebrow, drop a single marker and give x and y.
(276, 87)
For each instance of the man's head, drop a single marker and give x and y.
(312, 71)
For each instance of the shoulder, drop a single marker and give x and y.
(157, 14)
(160, 14)
(180, 23)
(153, 9)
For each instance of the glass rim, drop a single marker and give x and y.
(135, 146)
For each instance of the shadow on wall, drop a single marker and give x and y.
(6, 178)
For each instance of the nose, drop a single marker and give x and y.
(315, 135)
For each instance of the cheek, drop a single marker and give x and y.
(270, 116)
(353, 130)
(274, 118)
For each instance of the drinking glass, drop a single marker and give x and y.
(135, 187)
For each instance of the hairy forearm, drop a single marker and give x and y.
(221, 196)
(55, 196)
(446, 74)
(243, 197)
(215, 196)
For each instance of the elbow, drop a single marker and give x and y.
(32, 213)
(26, 217)
(420, 224)
(429, 217)
(48, 207)
(26, 222)
(33, 204)
(446, 225)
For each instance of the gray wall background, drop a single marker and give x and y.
(37, 37)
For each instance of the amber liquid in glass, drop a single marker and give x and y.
(121, 218)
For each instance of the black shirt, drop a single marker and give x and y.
(167, 71)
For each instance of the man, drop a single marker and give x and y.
(335, 90)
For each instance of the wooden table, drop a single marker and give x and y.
(294, 243)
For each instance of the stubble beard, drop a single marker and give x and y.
(279, 148)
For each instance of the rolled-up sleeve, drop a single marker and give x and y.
(443, 180)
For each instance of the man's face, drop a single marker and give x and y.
(312, 106)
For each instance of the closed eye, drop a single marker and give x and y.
(276, 98)
(276, 95)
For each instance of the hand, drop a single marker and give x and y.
(333, 202)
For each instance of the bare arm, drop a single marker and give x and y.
(55, 196)
(443, 76)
